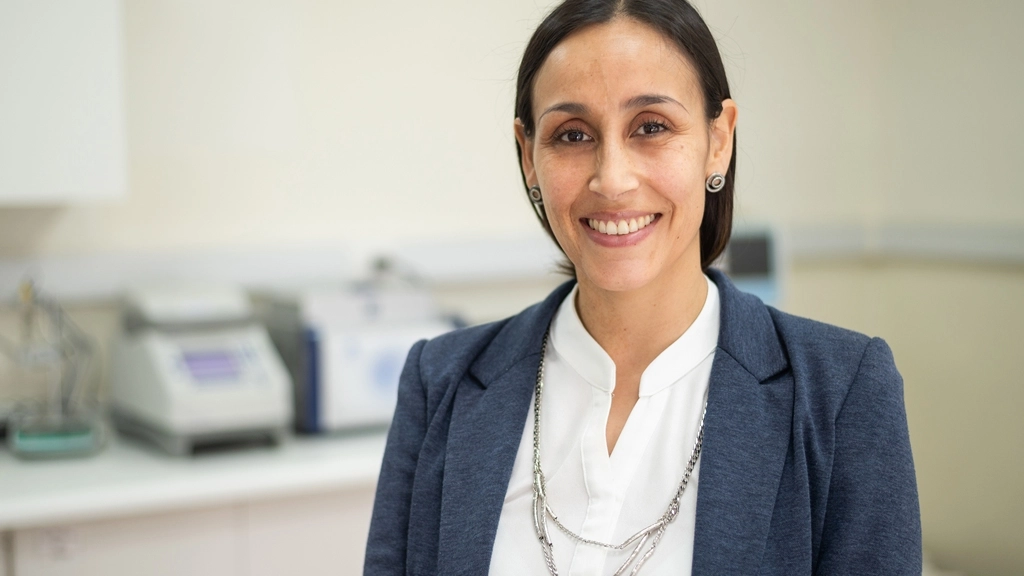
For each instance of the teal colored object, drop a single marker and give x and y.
(39, 440)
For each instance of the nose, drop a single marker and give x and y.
(615, 174)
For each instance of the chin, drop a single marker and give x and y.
(616, 278)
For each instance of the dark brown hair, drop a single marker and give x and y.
(678, 21)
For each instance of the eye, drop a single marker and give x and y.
(573, 136)
(650, 128)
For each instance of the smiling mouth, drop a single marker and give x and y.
(621, 227)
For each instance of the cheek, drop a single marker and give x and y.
(679, 177)
(561, 170)
(560, 210)
(563, 181)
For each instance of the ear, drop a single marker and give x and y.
(526, 152)
(721, 141)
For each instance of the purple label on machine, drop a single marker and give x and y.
(208, 365)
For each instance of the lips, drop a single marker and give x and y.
(621, 226)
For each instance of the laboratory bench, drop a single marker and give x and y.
(131, 509)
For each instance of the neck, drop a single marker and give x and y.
(635, 326)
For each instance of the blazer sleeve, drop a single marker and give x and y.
(389, 525)
(872, 520)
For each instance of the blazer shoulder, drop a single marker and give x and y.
(447, 357)
(815, 335)
(827, 360)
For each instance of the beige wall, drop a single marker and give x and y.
(367, 124)
(362, 124)
(953, 120)
(271, 122)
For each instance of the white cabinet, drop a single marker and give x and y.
(203, 542)
(320, 534)
(300, 508)
(62, 127)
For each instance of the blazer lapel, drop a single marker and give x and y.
(488, 415)
(746, 438)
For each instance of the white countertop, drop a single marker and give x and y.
(129, 478)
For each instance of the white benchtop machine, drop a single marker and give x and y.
(193, 368)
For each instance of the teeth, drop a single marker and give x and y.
(613, 228)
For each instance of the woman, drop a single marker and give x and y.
(648, 417)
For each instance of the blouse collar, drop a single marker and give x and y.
(577, 347)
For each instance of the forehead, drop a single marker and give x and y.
(607, 64)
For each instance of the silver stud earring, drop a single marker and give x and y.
(538, 202)
(714, 183)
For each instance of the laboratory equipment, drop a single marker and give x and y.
(345, 347)
(193, 368)
(54, 354)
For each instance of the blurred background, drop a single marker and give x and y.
(276, 147)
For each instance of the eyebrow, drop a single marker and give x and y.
(634, 102)
(567, 107)
(649, 100)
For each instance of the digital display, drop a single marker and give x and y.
(207, 365)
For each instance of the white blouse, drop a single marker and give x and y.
(605, 497)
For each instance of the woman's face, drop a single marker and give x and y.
(621, 150)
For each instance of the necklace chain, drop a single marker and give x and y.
(542, 510)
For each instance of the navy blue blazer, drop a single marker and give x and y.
(806, 466)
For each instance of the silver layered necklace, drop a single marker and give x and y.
(644, 542)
